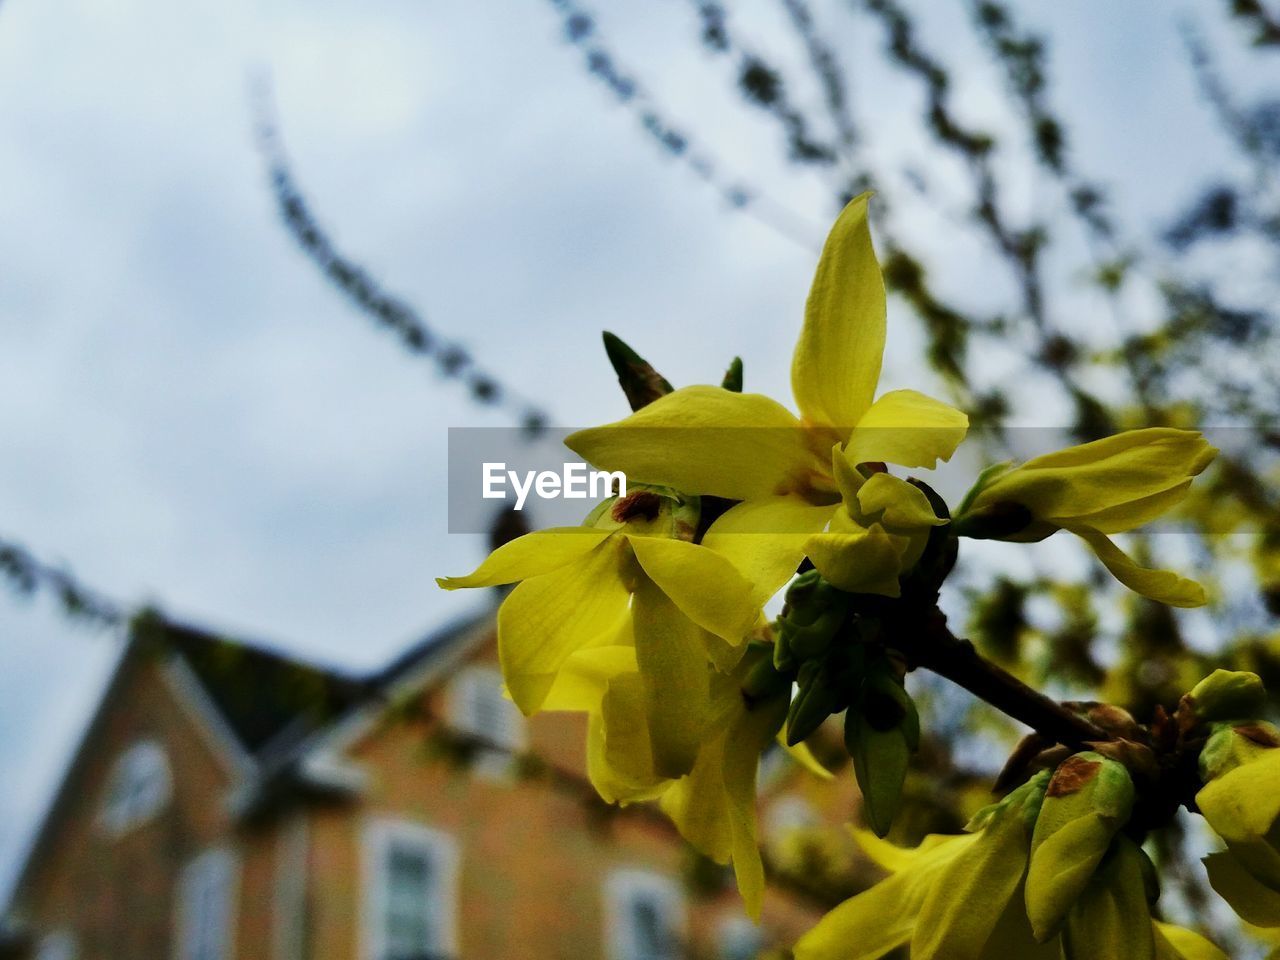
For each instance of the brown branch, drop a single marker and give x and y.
(931, 645)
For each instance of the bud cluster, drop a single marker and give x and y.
(832, 648)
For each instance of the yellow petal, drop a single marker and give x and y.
(1127, 516)
(1111, 920)
(1179, 943)
(698, 805)
(1163, 585)
(966, 903)
(530, 556)
(674, 669)
(582, 681)
(1243, 804)
(909, 429)
(869, 925)
(892, 858)
(1249, 897)
(705, 585)
(1012, 938)
(905, 506)
(849, 479)
(706, 440)
(1103, 474)
(836, 364)
(802, 755)
(625, 769)
(744, 742)
(545, 619)
(764, 539)
(858, 560)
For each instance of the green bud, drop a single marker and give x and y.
(1232, 744)
(733, 376)
(639, 381)
(880, 761)
(763, 680)
(815, 700)
(886, 704)
(1229, 695)
(783, 659)
(1088, 800)
(812, 640)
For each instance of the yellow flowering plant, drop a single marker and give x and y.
(649, 619)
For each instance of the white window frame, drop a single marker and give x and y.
(216, 865)
(468, 687)
(143, 766)
(58, 945)
(379, 836)
(622, 888)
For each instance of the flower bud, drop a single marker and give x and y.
(1111, 920)
(1088, 800)
(816, 699)
(880, 760)
(1092, 490)
(1232, 744)
(1228, 695)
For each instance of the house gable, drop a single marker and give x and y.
(143, 794)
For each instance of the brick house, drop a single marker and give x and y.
(229, 803)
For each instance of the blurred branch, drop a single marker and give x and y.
(582, 31)
(762, 84)
(1266, 27)
(390, 311)
(28, 576)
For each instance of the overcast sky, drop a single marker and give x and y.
(189, 414)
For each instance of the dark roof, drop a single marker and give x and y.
(272, 701)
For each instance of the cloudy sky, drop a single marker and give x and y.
(190, 415)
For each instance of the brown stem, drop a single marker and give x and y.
(934, 647)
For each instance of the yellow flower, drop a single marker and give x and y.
(1092, 490)
(713, 806)
(682, 602)
(962, 898)
(952, 898)
(747, 447)
(1241, 802)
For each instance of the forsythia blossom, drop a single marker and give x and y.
(965, 898)
(648, 620)
(1107, 486)
(790, 473)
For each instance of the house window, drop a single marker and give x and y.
(412, 892)
(206, 906)
(645, 917)
(482, 710)
(57, 946)
(139, 787)
(739, 939)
